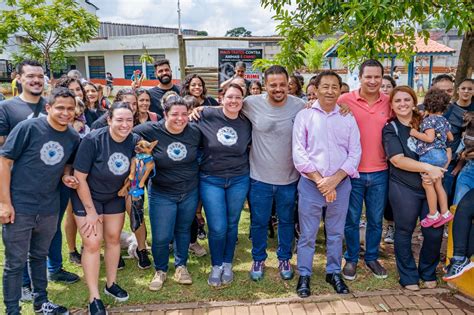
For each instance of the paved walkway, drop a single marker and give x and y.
(426, 302)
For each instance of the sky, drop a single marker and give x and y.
(214, 16)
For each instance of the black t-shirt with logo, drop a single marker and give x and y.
(401, 144)
(106, 162)
(15, 110)
(175, 157)
(156, 96)
(225, 143)
(39, 153)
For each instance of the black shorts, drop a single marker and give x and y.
(114, 205)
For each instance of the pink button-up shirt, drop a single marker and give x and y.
(325, 142)
(370, 120)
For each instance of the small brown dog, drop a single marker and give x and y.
(143, 159)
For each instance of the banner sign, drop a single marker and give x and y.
(228, 57)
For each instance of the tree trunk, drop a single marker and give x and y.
(466, 58)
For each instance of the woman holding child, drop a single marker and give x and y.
(406, 193)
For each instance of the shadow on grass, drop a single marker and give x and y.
(136, 281)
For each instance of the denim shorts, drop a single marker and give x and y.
(114, 205)
(436, 157)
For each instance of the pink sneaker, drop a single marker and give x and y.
(444, 220)
(427, 221)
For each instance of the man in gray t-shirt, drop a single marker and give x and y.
(270, 155)
(273, 176)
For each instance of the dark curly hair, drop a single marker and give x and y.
(436, 101)
(65, 81)
(187, 85)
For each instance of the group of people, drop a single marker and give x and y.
(321, 155)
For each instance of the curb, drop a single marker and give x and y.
(295, 299)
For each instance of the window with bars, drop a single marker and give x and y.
(96, 67)
(132, 63)
(150, 69)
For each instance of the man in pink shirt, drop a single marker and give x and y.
(371, 110)
(326, 152)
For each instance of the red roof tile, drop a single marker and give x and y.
(431, 47)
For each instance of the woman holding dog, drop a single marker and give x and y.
(406, 193)
(101, 165)
(173, 191)
(224, 178)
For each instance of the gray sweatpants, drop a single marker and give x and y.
(310, 205)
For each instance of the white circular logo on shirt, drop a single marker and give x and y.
(227, 136)
(118, 163)
(177, 151)
(411, 144)
(51, 153)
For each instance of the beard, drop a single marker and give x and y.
(165, 79)
(36, 93)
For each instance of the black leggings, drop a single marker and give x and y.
(408, 206)
(388, 212)
(194, 230)
(463, 229)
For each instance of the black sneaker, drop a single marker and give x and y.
(51, 308)
(96, 307)
(457, 267)
(75, 257)
(63, 276)
(377, 269)
(116, 292)
(349, 272)
(121, 263)
(143, 260)
(201, 232)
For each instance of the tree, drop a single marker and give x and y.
(313, 57)
(49, 29)
(370, 26)
(314, 52)
(202, 33)
(238, 32)
(146, 57)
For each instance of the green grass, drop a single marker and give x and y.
(136, 281)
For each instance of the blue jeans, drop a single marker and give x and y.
(436, 157)
(449, 181)
(55, 257)
(465, 181)
(261, 197)
(223, 199)
(171, 217)
(26, 239)
(370, 188)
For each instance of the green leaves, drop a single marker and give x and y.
(49, 28)
(238, 32)
(372, 28)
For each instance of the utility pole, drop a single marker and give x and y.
(181, 48)
(180, 32)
